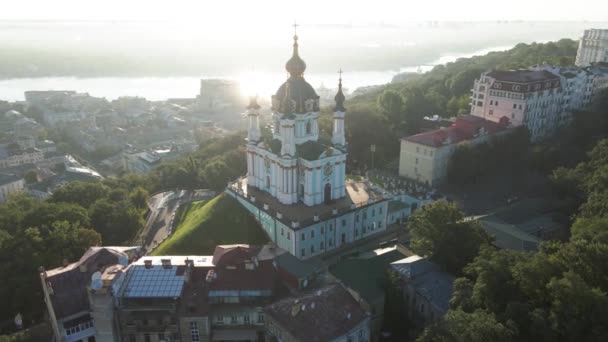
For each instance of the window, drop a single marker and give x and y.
(161, 336)
(312, 249)
(322, 230)
(356, 232)
(194, 332)
(282, 231)
(321, 246)
(373, 212)
(331, 227)
(380, 210)
(331, 243)
(356, 217)
(147, 337)
(288, 236)
(312, 233)
(491, 102)
(416, 160)
(417, 149)
(131, 338)
(343, 223)
(515, 106)
(496, 103)
(233, 319)
(219, 319)
(246, 319)
(303, 236)
(308, 128)
(303, 252)
(260, 317)
(491, 112)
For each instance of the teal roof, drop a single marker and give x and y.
(366, 276)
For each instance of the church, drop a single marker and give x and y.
(296, 184)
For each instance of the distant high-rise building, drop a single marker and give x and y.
(593, 47)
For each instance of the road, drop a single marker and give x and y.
(162, 208)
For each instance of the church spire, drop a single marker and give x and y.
(295, 66)
(339, 98)
(337, 137)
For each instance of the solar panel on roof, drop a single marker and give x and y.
(155, 282)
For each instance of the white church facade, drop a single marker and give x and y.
(296, 184)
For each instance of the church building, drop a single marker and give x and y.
(296, 184)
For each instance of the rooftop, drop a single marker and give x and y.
(322, 315)
(427, 280)
(69, 282)
(365, 276)
(8, 178)
(358, 194)
(523, 76)
(466, 127)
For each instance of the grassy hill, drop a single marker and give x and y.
(205, 224)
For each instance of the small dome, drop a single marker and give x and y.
(295, 66)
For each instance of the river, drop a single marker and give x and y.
(254, 82)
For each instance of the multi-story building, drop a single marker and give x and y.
(220, 297)
(296, 185)
(71, 310)
(426, 289)
(593, 47)
(577, 85)
(10, 183)
(142, 162)
(327, 314)
(425, 157)
(10, 156)
(525, 97)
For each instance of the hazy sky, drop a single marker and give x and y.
(265, 12)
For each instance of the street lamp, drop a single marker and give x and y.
(372, 149)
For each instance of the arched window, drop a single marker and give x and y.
(308, 127)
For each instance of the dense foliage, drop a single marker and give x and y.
(438, 230)
(211, 167)
(557, 294)
(392, 111)
(502, 154)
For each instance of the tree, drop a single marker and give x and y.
(438, 230)
(390, 105)
(31, 177)
(478, 326)
(139, 197)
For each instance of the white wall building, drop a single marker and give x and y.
(525, 97)
(10, 184)
(425, 157)
(10, 158)
(593, 47)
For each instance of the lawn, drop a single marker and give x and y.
(203, 225)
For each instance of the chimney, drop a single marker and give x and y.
(279, 215)
(315, 217)
(334, 211)
(166, 263)
(148, 263)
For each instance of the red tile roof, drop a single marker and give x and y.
(465, 127)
